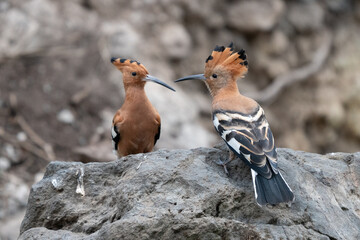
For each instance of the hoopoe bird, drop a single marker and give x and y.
(136, 125)
(241, 123)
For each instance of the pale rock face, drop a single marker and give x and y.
(35, 26)
(16, 192)
(306, 17)
(122, 39)
(66, 116)
(179, 194)
(4, 164)
(16, 23)
(250, 16)
(176, 41)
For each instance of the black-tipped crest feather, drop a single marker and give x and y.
(209, 58)
(242, 54)
(219, 48)
(235, 62)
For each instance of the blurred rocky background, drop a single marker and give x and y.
(58, 89)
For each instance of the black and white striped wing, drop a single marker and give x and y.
(115, 137)
(157, 135)
(250, 138)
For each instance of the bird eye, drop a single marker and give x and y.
(133, 73)
(214, 75)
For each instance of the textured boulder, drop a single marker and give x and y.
(182, 194)
(176, 41)
(250, 16)
(306, 17)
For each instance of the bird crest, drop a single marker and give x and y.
(226, 58)
(130, 65)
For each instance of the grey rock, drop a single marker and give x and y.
(16, 23)
(176, 41)
(252, 16)
(182, 194)
(306, 16)
(4, 164)
(4, 6)
(21, 136)
(12, 153)
(9, 227)
(274, 43)
(13, 196)
(42, 233)
(41, 25)
(339, 6)
(66, 116)
(100, 152)
(357, 11)
(122, 39)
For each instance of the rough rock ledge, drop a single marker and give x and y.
(183, 194)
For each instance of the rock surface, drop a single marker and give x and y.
(183, 194)
(250, 16)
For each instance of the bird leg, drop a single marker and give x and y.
(229, 159)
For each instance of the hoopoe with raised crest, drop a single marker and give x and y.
(241, 123)
(136, 125)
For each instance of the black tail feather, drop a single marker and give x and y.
(271, 191)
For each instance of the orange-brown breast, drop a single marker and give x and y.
(138, 124)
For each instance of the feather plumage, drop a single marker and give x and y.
(233, 62)
(250, 137)
(241, 123)
(137, 121)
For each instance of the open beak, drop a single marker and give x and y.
(155, 80)
(192, 77)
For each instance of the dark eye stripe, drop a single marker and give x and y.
(133, 73)
(214, 75)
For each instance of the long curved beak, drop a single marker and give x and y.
(192, 77)
(155, 80)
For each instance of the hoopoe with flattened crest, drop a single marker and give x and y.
(136, 125)
(241, 123)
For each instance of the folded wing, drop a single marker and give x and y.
(250, 138)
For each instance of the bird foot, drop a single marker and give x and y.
(223, 163)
